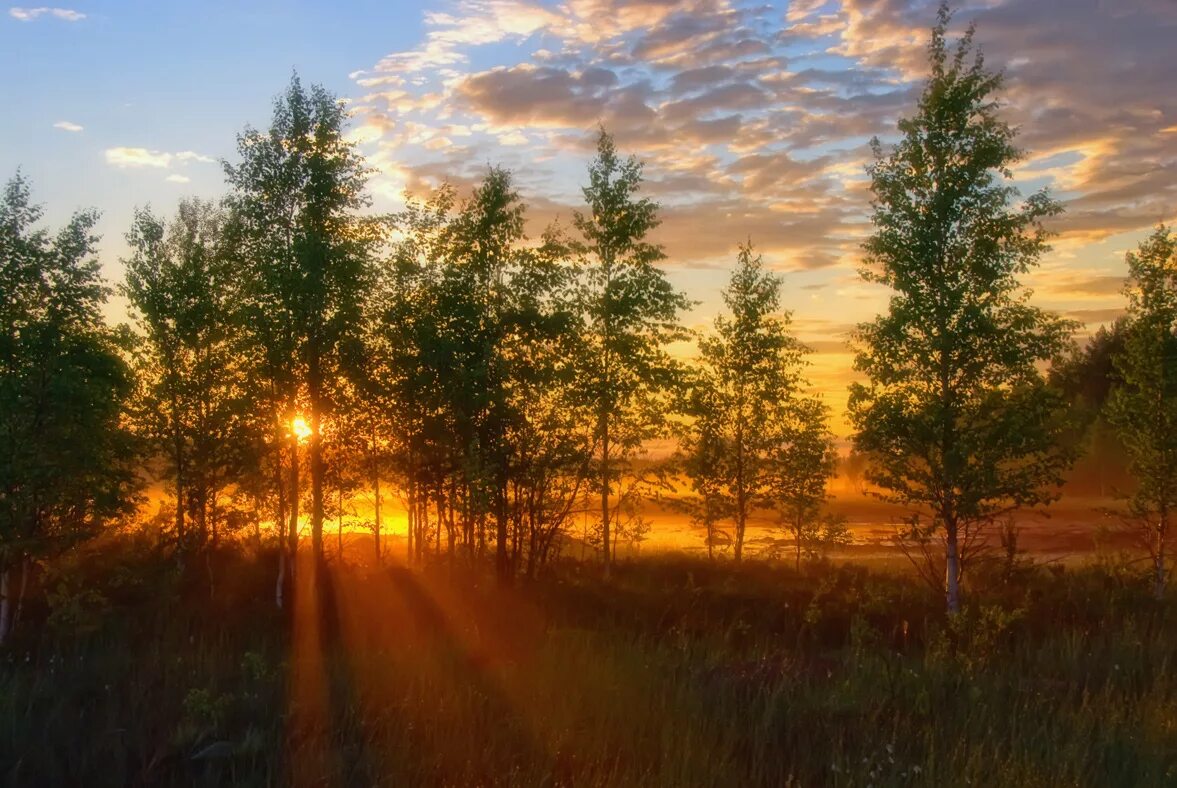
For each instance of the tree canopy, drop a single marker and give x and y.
(955, 414)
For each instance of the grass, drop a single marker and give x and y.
(677, 672)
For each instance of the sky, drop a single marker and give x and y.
(753, 119)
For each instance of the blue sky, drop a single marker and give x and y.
(752, 118)
(169, 77)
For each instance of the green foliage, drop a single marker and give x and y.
(754, 439)
(192, 401)
(67, 464)
(304, 254)
(1143, 407)
(74, 608)
(630, 314)
(1086, 377)
(956, 415)
(474, 351)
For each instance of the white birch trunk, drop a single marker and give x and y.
(952, 573)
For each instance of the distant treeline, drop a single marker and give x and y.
(498, 385)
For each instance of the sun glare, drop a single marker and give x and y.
(300, 428)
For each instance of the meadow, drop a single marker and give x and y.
(677, 671)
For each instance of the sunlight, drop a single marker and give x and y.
(300, 428)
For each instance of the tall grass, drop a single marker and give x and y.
(677, 672)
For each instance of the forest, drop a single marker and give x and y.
(356, 499)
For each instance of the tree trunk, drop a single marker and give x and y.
(26, 567)
(797, 532)
(179, 513)
(316, 457)
(214, 518)
(5, 606)
(280, 585)
(502, 564)
(605, 492)
(1159, 558)
(741, 486)
(376, 501)
(952, 569)
(292, 535)
(202, 516)
(411, 514)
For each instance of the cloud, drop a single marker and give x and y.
(753, 120)
(30, 14)
(133, 158)
(192, 156)
(1092, 316)
(138, 157)
(177, 178)
(537, 95)
(66, 125)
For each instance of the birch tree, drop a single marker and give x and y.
(752, 426)
(66, 461)
(955, 414)
(1143, 407)
(191, 396)
(306, 251)
(631, 313)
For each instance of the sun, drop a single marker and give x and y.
(300, 428)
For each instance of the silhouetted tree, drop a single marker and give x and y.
(799, 468)
(548, 427)
(704, 455)
(66, 466)
(191, 404)
(484, 253)
(753, 430)
(1086, 377)
(475, 334)
(955, 415)
(408, 365)
(1088, 373)
(1143, 407)
(631, 313)
(305, 254)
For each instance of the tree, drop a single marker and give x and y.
(631, 313)
(956, 416)
(799, 467)
(752, 430)
(484, 255)
(407, 366)
(191, 405)
(1143, 407)
(474, 345)
(1086, 377)
(854, 467)
(66, 463)
(305, 254)
(704, 453)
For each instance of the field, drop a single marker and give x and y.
(678, 671)
(1076, 529)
